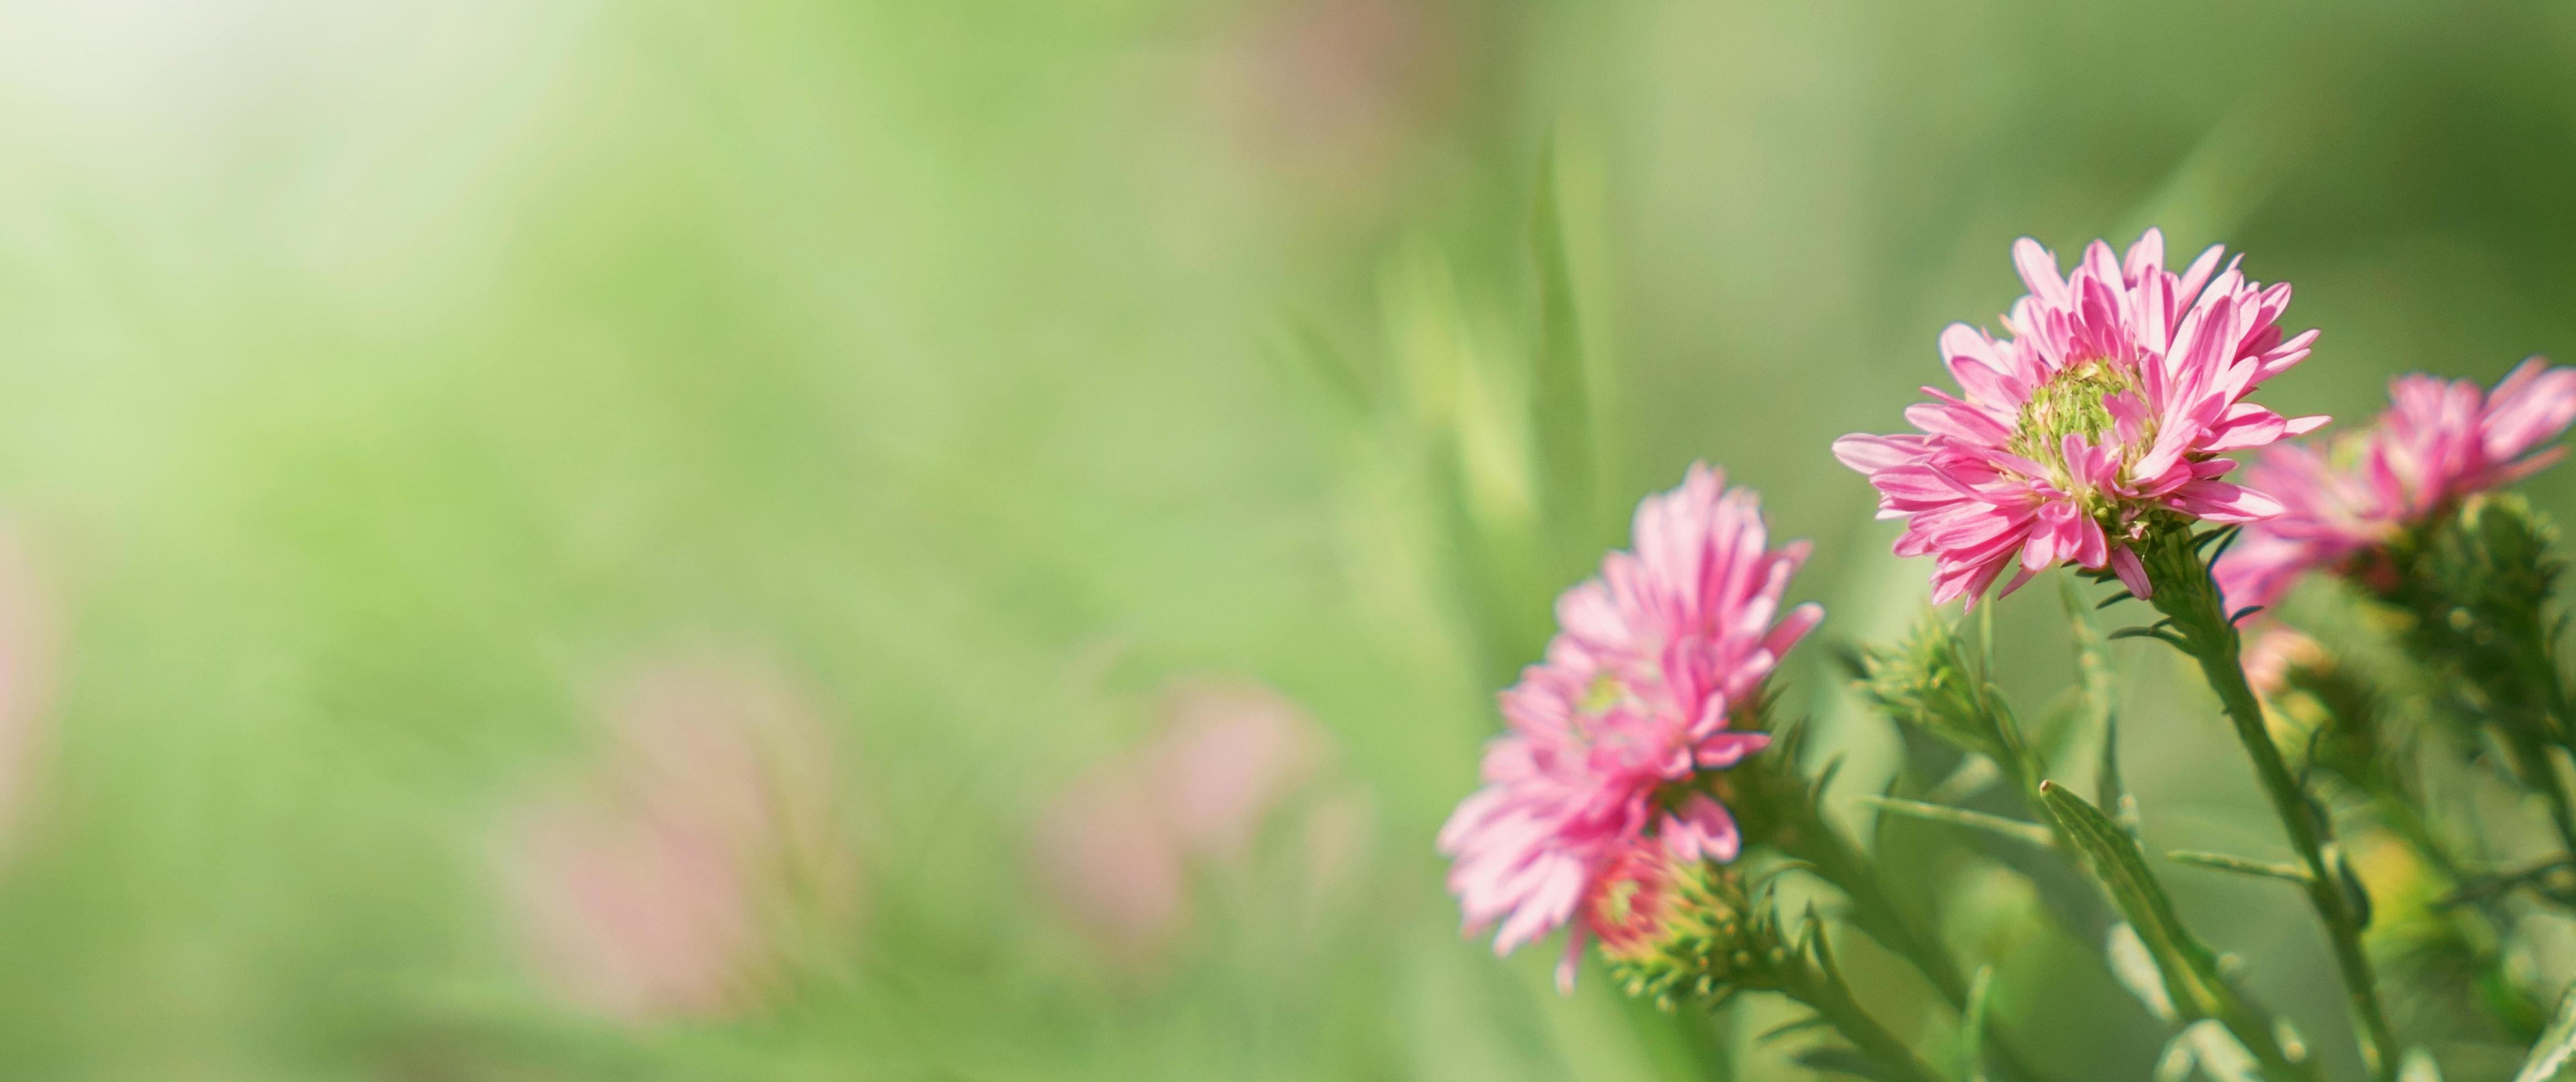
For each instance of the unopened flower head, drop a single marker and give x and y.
(1611, 734)
(2120, 387)
(2438, 441)
(2276, 653)
(1674, 928)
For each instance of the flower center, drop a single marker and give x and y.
(2072, 401)
(1618, 907)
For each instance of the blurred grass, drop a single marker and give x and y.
(370, 378)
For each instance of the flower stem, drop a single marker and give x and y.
(2186, 595)
(1820, 986)
(2478, 583)
(1875, 912)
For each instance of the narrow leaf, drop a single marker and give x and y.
(2174, 1064)
(1562, 400)
(1791, 1028)
(2134, 966)
(2557, 1044)
(2096, 682)
(1845, 1060)
(2220, 1055)
(2418, 1066)
(2028, 833)
(2189, 969)
(1303, 349)
(1972, 1025)
(2224, 862)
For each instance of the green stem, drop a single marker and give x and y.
(2250, 1025)
(2471, 920)
(2184, 592)
(1818, 986)
(1876, 912)
(2540, 771)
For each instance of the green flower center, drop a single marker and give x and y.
(2072, 402)
(1619, 902)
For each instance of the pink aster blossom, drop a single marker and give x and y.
(2119, 389)
(1632, 704)
(1115, 850)
(2277, 652)
(668, 880)
(31, 636)
(2438, 441)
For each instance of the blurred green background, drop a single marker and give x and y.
(972, 424)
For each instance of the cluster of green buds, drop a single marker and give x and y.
(1677, 931)
(2323, 716)
(1933, 681)
(2473, 588)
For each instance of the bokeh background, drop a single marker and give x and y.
(975, 540)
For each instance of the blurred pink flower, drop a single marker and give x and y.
(1106, 857)
(2439, 440)
(1232, 753)
(1632, 704)
(673, 881)
(1329, 91)
(1629, 904)
(2122, 385)
(29, 640)
(1114, 850)
(2275, 651)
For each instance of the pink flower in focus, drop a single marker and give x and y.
(1631, 706)
(665, 884)
(2119, 389)
(2438, 441)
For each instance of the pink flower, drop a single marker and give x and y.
(1105, 857)
(2439, 440)
(666, 882)
(2119, 389)
(1609, 734)
(1629, 905)
(1234, 752)
(1114, 850)
(2275, 653)
(30, 639)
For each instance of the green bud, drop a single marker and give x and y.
(1936, 682)
(1678, 931)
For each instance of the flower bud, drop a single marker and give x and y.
(1936, 682)
(1673, 929)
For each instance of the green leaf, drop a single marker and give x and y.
(2419, 1067)
(1972, 1025)
(1561, 401)
(1845, 1060)
(2219, 1054)
(2557, 1045)
(2174, 1064)
(1311, 358)
(2096, 683)
(2134, 966)
(2224, 862)
(2026, 833)
(2189, 969)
